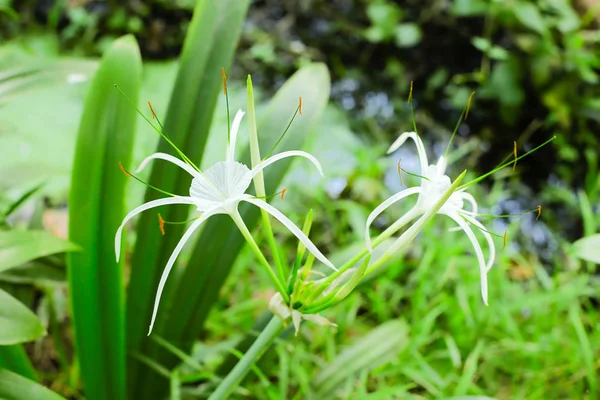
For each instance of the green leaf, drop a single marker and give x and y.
(209, 46)
(379, 346)
(18, 323)
(16, 387)
(15, 359)
(96, 209)
(529, 15)
(469, 8)
(587, 248)
(407, 35)
(18, 247)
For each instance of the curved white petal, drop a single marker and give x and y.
(382, 207)
(144, 207)
(478, 252)
(471, 200)
(278, 215)
(285, 154)
(420, 148)
(235, 127)
(167, 157)
(163, 279)
(488, 238)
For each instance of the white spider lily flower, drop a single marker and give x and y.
(434, 183)
(278, 307)
(219, 190)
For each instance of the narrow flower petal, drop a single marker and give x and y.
(144, 207)
(478, 252)
(488, 238)
(167, 157)
(382, 207)
(163, 279)
(235, 127)
(291, 227)
(420, 148)
(296, 319)
(285, 154)
(471, 200)
(317, 319)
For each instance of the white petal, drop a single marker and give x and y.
(420, 148)
(470, 199)
(285, 154)
(278, 307)
(292, 228)
(235, 127)
(478, 252)
(167, 157)
(171, 262)
(382, 207)
(296, 319)
(488, 238)
(144, 207)
(317, 319)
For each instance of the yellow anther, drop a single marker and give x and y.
(504, 240)
(300, 105)
(283, 193)
(410, 92)
(539, 212)
(469, 105)
(515, 152)
(161, 224)
(152, 110)
(224, 76)
(123, 170)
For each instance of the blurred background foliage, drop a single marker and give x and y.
(535, 68)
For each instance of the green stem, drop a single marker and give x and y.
(260, 345)
(237, 218)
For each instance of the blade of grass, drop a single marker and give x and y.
(14, 358)
(96, 208)
(209, 46)
(16, 387)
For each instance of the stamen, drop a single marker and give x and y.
(469, 105)
(412, 174)
(283, 193)
(504, 241)
(539, 212)
(161, 224)
(127, 174)
(410, 92)
(412, 108)
(400, 171)
(151, 110)
(491, 216)
(300, 105)
(299, 108)
(474, 181)
(515, 153)
(224, 77)
(159, 131)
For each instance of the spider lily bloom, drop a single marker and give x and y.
(434, 183)
(219, 190)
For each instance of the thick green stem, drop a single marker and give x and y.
(262, 343)
(237, 218)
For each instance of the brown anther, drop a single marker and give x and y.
(515, 152)
(152, 110)
(300, 105)
(224, 76)
(124, 171)
(283, 193)
(161, 224)
(400, 171)
(410, 91)
(504, 240)
(469, 105)
(539, 212)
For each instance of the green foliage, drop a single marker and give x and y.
(96, 207)
(587, 248)
(17, 323)
(15, 387)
